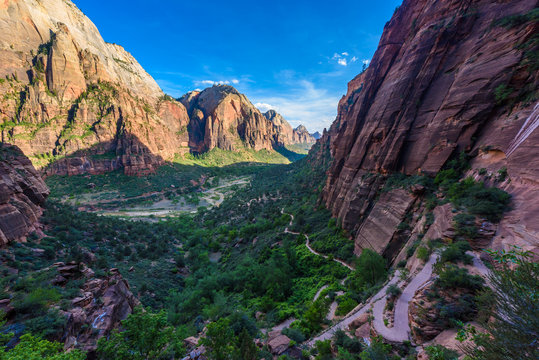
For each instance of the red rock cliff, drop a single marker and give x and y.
(22, 193)
(448, 76)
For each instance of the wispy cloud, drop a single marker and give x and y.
(215, 82)
(305, 104)
(264, 107)
(343, 58)
(366, 62)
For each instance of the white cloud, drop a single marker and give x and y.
(213, 82)
(342, 62)
(345, 54)
(263, 107)
(354, 59)
(366, 62)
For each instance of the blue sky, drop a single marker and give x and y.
(294, 56)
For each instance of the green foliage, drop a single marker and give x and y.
(422, 253)
(370, 270)
(512, 21)
(502, 93)
(465, 226)
(377, 351)
(36, 300)
(220, 340)
(323, 349)
(33, 348)
(393, 290)
(346, 304)
(478, 199)
(452, 277)
(456, 252)
(439, 352)
(513, 332)
(143, 335)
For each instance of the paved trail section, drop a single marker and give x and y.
(401, 328)
(353, 315)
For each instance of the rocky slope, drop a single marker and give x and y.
(284, 133)
(447, 77)
(222, 117)
(68, 95)
(22, 193)
(76, 104)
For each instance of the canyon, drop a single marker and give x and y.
(429, 94)
(388, 233)
(74, 103)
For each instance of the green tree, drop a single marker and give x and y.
(144, 335)
(514, 331)
(371, 268)
(34, 348)
(247, 348)
(376, 351)
(220, 341)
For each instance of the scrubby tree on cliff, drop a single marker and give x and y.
(514, 331)
(34, 348)
(143, 336)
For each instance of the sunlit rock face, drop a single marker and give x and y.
(447, 77)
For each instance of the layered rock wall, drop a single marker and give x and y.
(447, 77)
(22, 193)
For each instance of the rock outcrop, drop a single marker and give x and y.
(284, 134)
(302, 135)
(447, 77)
(76, 104)
(69, 96)
(221, 117)
(104, 303)
(22, 194)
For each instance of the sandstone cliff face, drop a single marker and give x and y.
(302, 135)
(22, 193)
(222, 117)
(71, 98)
(447, 77)
(285, 134)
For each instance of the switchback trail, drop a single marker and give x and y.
(307, 242)
(401, 329)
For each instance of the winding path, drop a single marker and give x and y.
(352, 315)
(308, 244)
(401, 328)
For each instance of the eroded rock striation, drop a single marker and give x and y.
(22, 194)
(447, 77)
(285, 134)
(76, 104)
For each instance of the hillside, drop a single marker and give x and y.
(76, 104)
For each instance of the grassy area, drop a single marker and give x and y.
(184, 176)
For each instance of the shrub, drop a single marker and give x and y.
(393, 290)
(422, 253)
(465, 225)
(457, 252)
(31, 347)
(346, 304)
(501, 93)
(370, 269)
(452, 277)
(439, 352)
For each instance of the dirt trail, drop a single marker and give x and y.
(307, 242)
